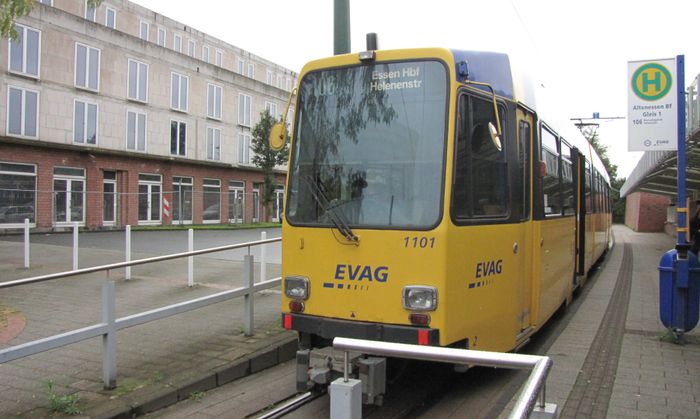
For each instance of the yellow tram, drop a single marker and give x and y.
(429, 203)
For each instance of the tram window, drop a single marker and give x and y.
(480, 181)
(587, 181)
(596, 192)
(600, 192)
(567, 177)
(551, 187)
(522, 183)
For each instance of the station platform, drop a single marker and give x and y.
(614, 359)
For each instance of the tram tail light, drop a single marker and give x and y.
(287, 321)
(419, 319)
(423, 337)
(296, 306)
(419, 298)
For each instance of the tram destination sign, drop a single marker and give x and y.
(652, 105)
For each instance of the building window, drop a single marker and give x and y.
(109, 198)
(256, 202)
(161, 37)
(213, 143)
(87, 67)
(143, 30)
(271, 108)
(205, 53)
(110, 18)
(182, 200)
(179, 86)
(22, 112)
(85, 123)
(69, 195)
(278, 204)
(25, 51)
(212, 201)
(17, 193)
(138, 81)
(251, 70)
(90, 12)
(219, 58)
(244, 110)
(270, 77)
(214, 101)
(279, 81)
(190, 48)
(236, 201)
(135, 131)
(178, 138)
(177, 43)
(150, 187)
(46, 2)
(244, 148)
(240, 66)
(289, 84)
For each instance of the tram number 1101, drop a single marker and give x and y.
(419, 242)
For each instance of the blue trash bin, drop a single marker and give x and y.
(678, 300)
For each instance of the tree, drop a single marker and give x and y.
(592, 136)
(13, 9)
(266, 158)
(618, 204)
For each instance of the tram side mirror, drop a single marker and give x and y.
(278, 136)
(495, 139)
(278, 132)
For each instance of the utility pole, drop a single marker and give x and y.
(341, 27)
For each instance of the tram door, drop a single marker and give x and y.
(523, 186)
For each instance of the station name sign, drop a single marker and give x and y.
(652, 105)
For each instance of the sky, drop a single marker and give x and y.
(577, 51)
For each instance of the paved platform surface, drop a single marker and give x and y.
(612, 360)
(159, 362)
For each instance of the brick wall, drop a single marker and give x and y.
(646, 212)
(128, 169)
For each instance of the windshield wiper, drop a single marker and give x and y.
(337, 217)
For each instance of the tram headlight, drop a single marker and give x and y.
(296, 287)
(421, 298)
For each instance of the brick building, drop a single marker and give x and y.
(119, 115)
(646, 212)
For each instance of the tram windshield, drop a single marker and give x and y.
(369, 146)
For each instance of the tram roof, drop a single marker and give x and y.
(511, 81)
(498, 70)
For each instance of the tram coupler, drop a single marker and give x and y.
(372, 373)
(319, 367)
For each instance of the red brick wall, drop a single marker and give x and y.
(128, 169)
(646, 212)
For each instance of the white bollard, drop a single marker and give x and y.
(190, 259)
(263, 265)
(128, 251)
(75, 246)
(346, 399)
(26, 242)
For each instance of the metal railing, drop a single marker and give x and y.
(111, 325)
(535, 384)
